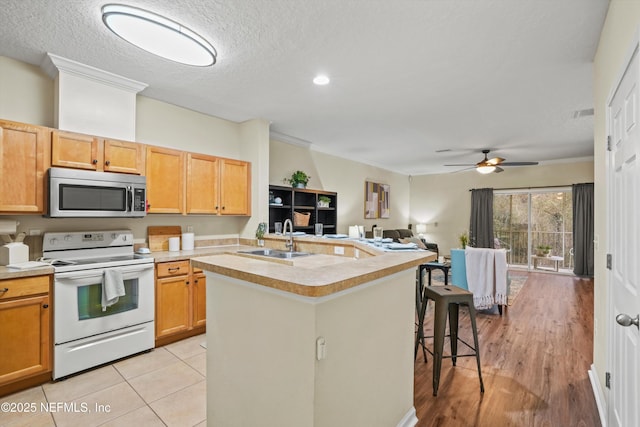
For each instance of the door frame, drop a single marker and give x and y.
(633, 49)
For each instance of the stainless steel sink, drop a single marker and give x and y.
(275, 253)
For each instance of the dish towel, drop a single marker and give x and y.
(480, 264)
(112, 287)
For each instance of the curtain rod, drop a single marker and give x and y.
(533, 188)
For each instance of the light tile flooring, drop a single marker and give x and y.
(165, 387)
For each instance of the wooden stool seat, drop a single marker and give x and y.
(447, 300)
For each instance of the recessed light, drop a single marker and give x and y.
(321, 80)
(158, 35)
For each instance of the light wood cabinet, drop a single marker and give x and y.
(180, 301)
(24, 154)
(79, 151)
(203, 176)
(235, 187)
(165, 180)
(25, 335)
(217, 185)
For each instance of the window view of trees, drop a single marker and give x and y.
(524, 222)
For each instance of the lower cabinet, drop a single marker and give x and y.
(180, 301)
(25, 333)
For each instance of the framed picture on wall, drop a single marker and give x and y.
(376, 200)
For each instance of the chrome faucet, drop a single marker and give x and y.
(289, 243)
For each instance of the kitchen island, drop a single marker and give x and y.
(319, 340)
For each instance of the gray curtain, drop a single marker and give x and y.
(481, 223)
(583, 229)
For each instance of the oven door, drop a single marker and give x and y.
(78, 302)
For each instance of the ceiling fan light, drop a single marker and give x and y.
(485, 169)
(158, 35)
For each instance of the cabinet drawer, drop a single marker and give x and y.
(23, 287)
(168, 269)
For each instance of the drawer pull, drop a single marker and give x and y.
(173, 269)
(4, 290)
(45, 306)
(187, 282)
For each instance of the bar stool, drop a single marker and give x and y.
(447, 300)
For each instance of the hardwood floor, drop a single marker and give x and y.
(534, 357)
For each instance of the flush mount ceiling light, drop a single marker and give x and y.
(485, 169)
(158, 35)
(321, 80)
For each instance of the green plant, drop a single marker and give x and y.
(298, 177)
(324, 199)
(261, 230)
(464, 239)
(543, 248)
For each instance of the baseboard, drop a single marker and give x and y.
(409, 419)
(599, 395)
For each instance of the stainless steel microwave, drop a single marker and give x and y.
(86, 194)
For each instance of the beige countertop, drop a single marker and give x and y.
(14, 273)
(316, 275)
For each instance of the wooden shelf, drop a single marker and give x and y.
(302, 200)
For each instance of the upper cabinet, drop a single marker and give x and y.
(165, 180)
(203, 175)
(78, 151)
(235, 187)
(217, 186)
(24, 158)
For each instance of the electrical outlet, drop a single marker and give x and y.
(338, 250)
(34, 232)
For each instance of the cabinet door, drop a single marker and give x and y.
(165, 180)
(24, 337)
(123, 157)
(202, 183)
(199, 291)
(235, 187)
(75, 150)
(172, 305)
(23, 161)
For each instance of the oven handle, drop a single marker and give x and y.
(99, 272)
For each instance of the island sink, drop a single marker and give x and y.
(275, 253)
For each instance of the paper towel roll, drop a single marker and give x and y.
(174, 244)
(187, 241)
(353, 232)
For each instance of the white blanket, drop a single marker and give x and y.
(112, 287)
(486, 276)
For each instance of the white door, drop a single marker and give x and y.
(623, 219)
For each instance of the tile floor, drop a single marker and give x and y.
(165, 387)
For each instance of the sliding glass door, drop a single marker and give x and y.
(532, 221)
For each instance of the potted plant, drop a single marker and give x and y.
(543, 250)
(260, 231)
(323, 201)
(464, 239)
(298, 179)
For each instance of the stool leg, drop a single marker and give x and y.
(472, 315)
(453, 330)
(439, 326)
(420, 331)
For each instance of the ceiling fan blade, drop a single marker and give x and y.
(518, 163)
(462, 164)
(498, 169)
(494, 161)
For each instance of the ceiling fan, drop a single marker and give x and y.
(487, 165)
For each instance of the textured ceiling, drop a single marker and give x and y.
(408, 78)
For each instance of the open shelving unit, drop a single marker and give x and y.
(303, 200)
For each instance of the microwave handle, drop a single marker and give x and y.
(129, 198)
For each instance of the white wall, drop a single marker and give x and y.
(446, 199)
(345, 177)
(623, 19)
